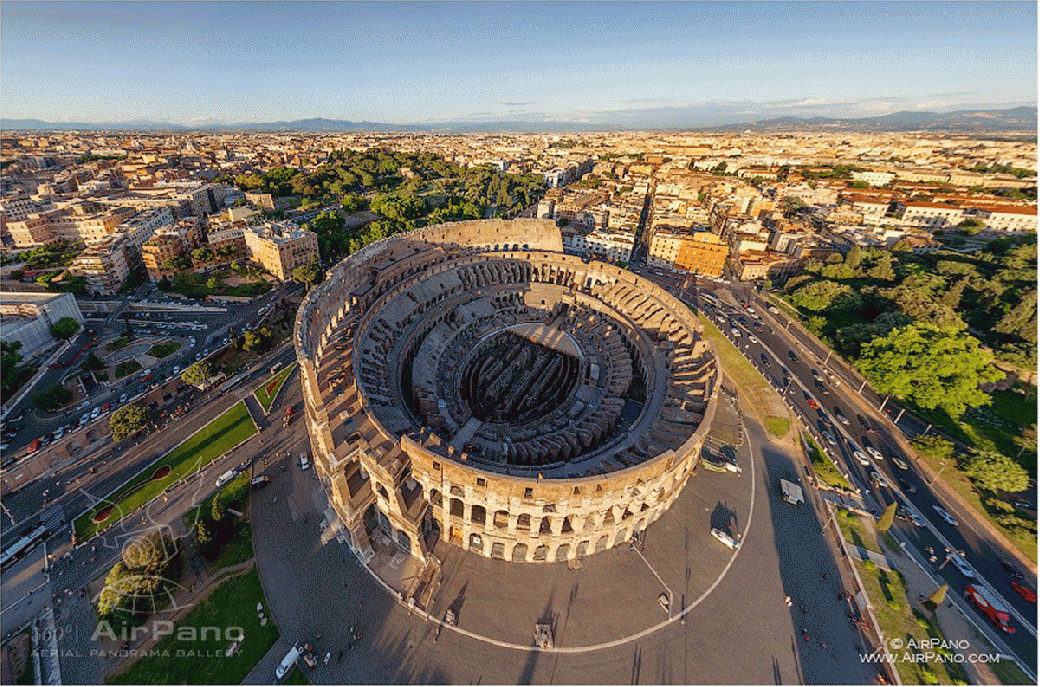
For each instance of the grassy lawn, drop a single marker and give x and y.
(231, 605)
(266, 393)
(296, 677)
(127, 368)
(195, 286)
(210, 442)
(778, 426)
(856, 532)
(754, 387)
(887, 593)
(239, 548)
(164, 349)
(825, 470)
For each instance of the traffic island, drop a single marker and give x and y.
(200, 449)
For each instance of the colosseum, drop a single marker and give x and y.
(472, 383)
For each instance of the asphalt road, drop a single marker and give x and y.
(207, 329)
(790, 368)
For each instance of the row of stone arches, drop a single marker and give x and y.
(522, 552)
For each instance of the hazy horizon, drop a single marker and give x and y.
(643, 64)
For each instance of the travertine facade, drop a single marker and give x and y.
(471, 382)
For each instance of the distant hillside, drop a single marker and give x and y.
(993, 121)
(1015, 119)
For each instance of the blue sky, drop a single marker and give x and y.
(399, 63)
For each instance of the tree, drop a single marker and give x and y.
(164, 284)
(94, 362)
(218, 510)
(937, 597)
(825, 295)
(994, 471)
(64, 328)
(933, 446)
(52, 399)
(887, 518)
(307, 274)
(1020, 321)
(127, 420)
(10, 357)
(198, 374)
(932, 366)
(213, 283)
(202, 255)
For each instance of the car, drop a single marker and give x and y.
(773, 309)
(735, 332)
(813, 404)
(752, 338)
(84, 420)
(962, 565)
(84, 404)
(226, 477)
(944, 515)
(3, 447)
(840, 417)
(95, 413)
(878, 479)
(792, 356)
(861, 457)
(176, 369)
(725, 537)
(907, 487)
(1011, 570)
(874, 453)
(829, 438)
(198, 357)
(899, 463)
(1027, 592)
(34, 446)
(823, 389)
(107, 407)
(146, 372)
(123, 398)
(59, 433)
(260, 482)
(305, 462)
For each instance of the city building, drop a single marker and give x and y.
(103, 265)
(157, 250)
(27, 318)
(281, 247)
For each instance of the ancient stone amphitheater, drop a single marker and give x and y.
(471, 383)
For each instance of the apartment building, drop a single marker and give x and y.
(281, 247)
(1012, 219)
(759, 265)
(874, 178)
(141, 227)
(930, 215)
(103, 265)
(157, 250)
(599, 244)
(703, 253)
(872, 209)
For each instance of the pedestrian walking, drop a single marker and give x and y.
(805, 635)
(787, 600)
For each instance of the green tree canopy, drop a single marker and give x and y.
(932, 366)
(10, 358)
(994, 471)
(198, 374)
(64, 328)
(887, 518)
(307, 274)
(825, 295)
(127, 420)
(933, 446)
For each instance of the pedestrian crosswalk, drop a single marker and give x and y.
(53, 518)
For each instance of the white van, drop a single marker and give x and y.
(225, 478)
(287, 663)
